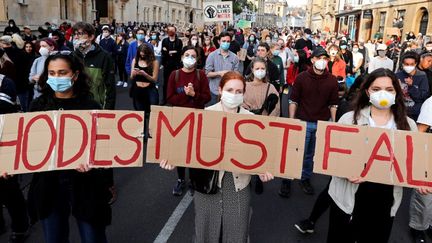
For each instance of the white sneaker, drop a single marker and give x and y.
(119, 83)
(125, 84)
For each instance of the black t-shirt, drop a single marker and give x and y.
(44, 103)
(234, 47)
(302, 43)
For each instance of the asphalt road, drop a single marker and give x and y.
(145, 204)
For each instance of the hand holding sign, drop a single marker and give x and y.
(83, 168)
(266, 177)
(165, 165)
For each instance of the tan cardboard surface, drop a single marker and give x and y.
(59, 140)
(378, 155)
(249, 144)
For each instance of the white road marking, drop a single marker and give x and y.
(173, 220)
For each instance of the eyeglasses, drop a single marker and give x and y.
(62, 53)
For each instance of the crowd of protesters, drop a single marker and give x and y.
(274, 72)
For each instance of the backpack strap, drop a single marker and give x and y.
(177, 74)
(197, 71)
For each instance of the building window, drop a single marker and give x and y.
(424, 22)
(102, 8)
(382, 22)
(64, 9)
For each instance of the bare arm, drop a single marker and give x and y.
(422, 127)
(132, 68)
(292, 110)
(333, 110)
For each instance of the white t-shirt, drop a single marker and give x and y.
(356, 58)
(425, 116)
(378, 62)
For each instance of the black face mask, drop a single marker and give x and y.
(1, 52)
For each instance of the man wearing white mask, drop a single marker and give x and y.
(314, 98)
(106, 41)
(380, 61)
(414, 84)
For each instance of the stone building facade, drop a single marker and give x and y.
(37, 12)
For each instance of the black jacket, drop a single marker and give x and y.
(90, 191)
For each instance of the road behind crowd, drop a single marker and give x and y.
(146, 210)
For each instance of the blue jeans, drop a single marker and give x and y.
(56, 225)
(309, 151)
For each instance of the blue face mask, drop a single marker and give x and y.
(140, 37)
(225, 46)
(154, 37)
(59, 84)
(276, 52)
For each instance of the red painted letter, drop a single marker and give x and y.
(84, 142)
(138, 143)
(162, 118)
(328, 149)
(198, 143)
(25, 142)
(248, 141)
(391, 158)
(409, 165)
(287, 128)
(16, 143)
(95, 136)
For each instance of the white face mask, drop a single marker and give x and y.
(105, 35)
(429, 48)
(230, 100)
(259, 74)
(382, 99)
(408, 69)
(381, 53)
(189, 62)
(355, 50)
(194, 42)
(321, 64)
(44, 51)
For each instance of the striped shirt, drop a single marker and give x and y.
(217, 62)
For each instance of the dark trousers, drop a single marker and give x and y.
(12, 197)
(122, 70)
(56, 225)
(370, 221)
(321, 205)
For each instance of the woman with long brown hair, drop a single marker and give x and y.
(364, 211)
(144, 76)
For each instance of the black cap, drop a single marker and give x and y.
(307, 31)
(319, 51)
(343, 43)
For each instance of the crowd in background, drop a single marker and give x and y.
(287, 72)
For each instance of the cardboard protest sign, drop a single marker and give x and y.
(242, 54)
(218, 11)
(226, 141)
(378, 155)
(60, 140)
